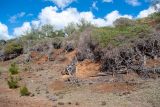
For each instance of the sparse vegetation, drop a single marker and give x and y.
(13, 69)
(13, 82)
(24, 91)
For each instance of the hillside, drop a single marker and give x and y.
(87, 66)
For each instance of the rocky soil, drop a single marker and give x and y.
(88, 87)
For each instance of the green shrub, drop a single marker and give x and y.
(13, 69)
(108, 35)
(24, 91)
(13, 82)
(13, 47)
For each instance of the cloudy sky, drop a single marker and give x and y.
(17, 16)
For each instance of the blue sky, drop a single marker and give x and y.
(22, 14)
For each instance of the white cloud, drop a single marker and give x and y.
(14, 18)
(133, 2)
(150, 10)
(35, 23)
(111, 17)
(62, 3)
(4, 32)
(49, 15)
(60, 19)
(26, 27)
(94, 5)
(107, 1)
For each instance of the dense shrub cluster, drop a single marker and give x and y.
(12, 48)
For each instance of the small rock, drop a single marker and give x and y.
(32, 95)
(103, 103)
(60, 103)
(47, 92)
(76, 103)
(38, 92)
(69, 103)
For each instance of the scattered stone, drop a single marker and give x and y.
(103, 103)
(76, 103)
(60, 103)
(32, 95)
(69, 103)
(124, 93)
(38, 92)
(47, 92)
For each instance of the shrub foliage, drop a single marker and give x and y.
(13, 82)
(24, 91)
(13, 69)
(13, 47)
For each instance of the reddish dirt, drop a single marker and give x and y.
(57, 85)
(113, 87)
(70, 56)
(42, 59)
(56, 53)
(151, 63)
(11, 99)
(87, 69)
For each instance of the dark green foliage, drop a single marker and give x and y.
(13, 82)
(24, 91)
(13, 47)
(13, 69)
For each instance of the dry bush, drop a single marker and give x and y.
(132, 58)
